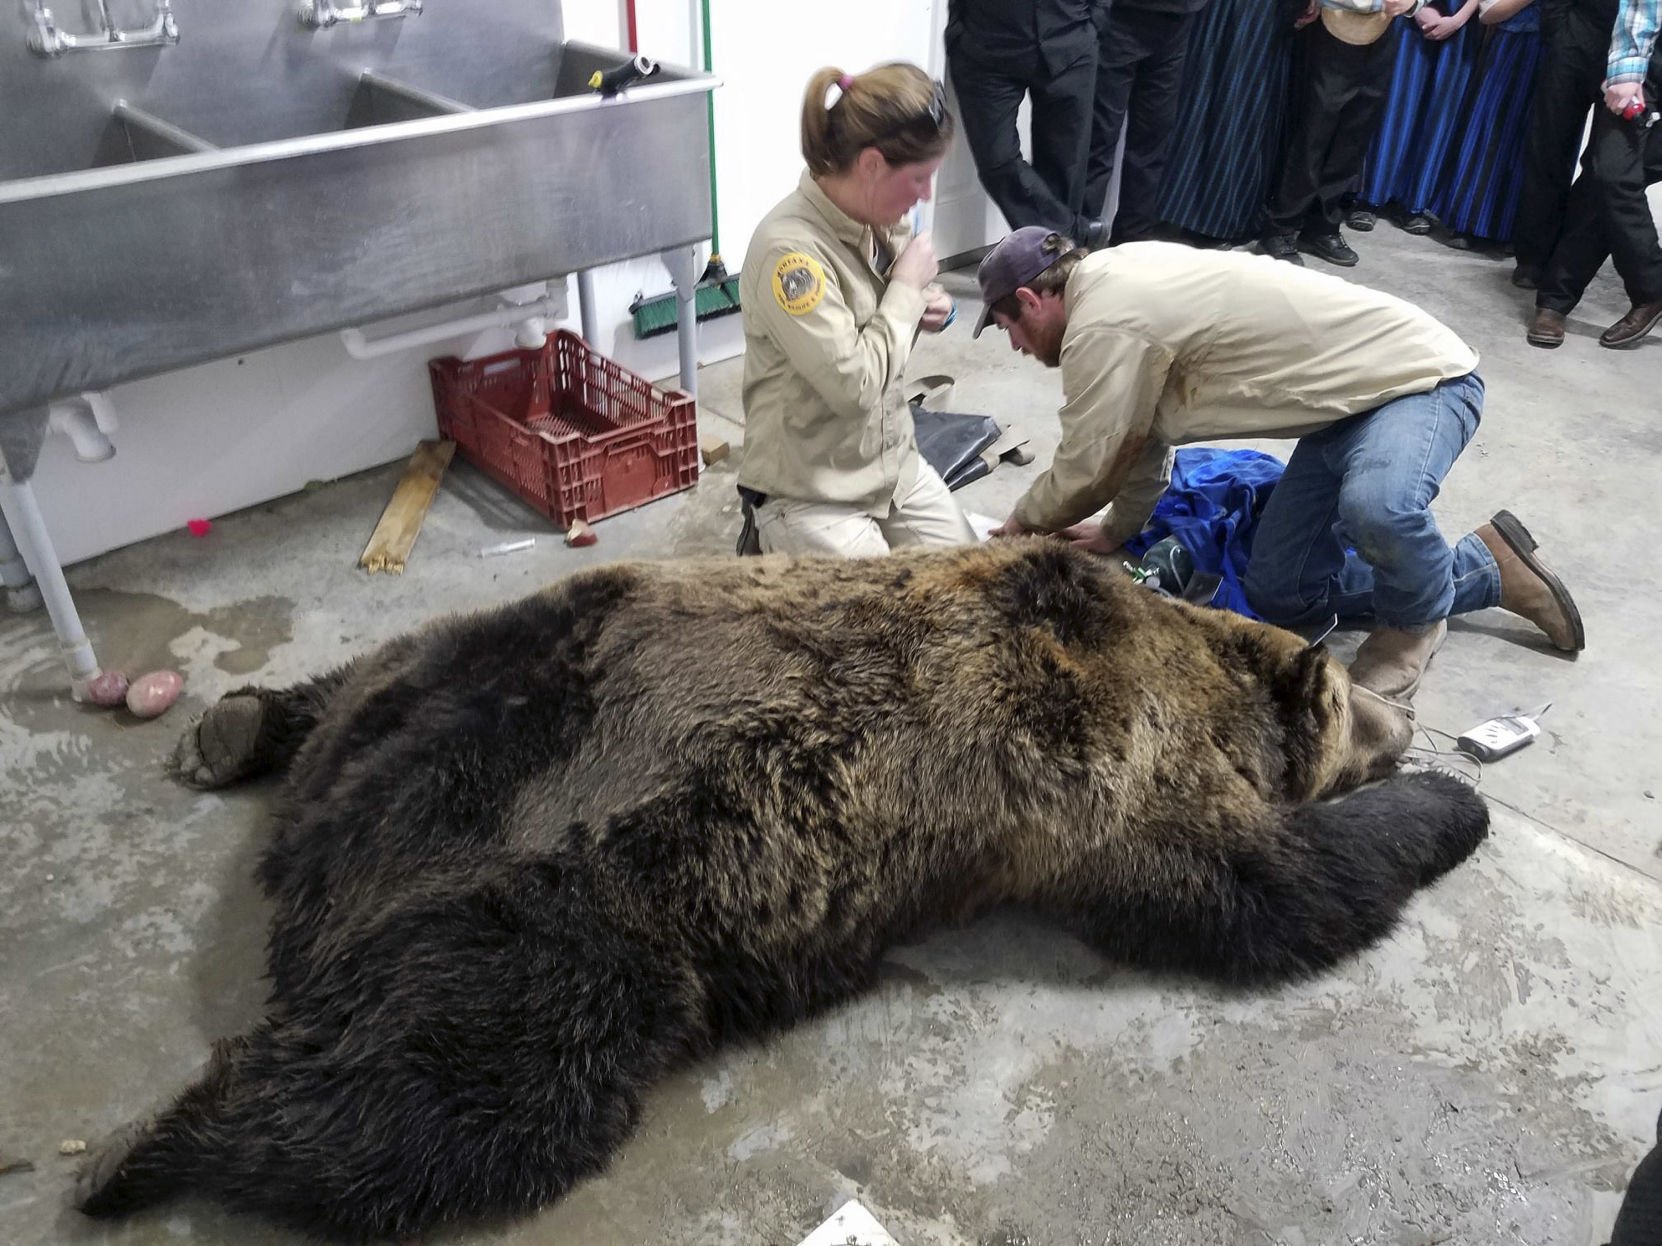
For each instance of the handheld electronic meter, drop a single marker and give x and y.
(1492, 740)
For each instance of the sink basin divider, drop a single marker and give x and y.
(144, 128)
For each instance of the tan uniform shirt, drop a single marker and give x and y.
(1167, 344)
(826, 342)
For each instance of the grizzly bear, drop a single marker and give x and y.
(527, 861)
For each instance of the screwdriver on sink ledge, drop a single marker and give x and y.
(611, 81)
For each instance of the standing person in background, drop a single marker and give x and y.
(1575, 42)
(1230, 119)
(1609, 214)
(1347, 69)
(1478, 194)
(997, 53)
(1424, 111)
(1139, 70)
(834, 291)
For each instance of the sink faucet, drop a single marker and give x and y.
(46, 39)
(322, 14)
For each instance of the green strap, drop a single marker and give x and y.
(710, 113)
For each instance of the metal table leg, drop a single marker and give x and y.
(683, 271)
(21, 593)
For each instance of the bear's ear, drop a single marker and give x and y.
(1058, 589)
(1310, 683)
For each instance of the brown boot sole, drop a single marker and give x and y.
(1544, 340)
(1512, 531)
(1633, 338)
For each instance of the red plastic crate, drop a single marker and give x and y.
(571, 432)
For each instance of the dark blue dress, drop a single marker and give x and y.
(1483, 179)
(1226, 141)
(1424, 115)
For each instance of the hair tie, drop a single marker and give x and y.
(845, 82)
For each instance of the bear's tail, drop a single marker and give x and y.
(1294, 894)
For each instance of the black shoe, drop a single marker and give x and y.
(1093, 235)
(1329, 247)
(1417, 223)
(1280, 247)
(1526, 277)
(1362, 220)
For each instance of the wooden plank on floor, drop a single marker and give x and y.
(390, 544)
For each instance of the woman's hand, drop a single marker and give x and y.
(1440, 28)
(916, 266)
(938, 307)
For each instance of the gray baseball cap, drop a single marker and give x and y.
(1012, 264)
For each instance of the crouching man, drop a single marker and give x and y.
(1161, 344)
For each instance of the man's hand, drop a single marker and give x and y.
(1619, 96)
(937, 309)
(1311, 12)
(1010, 527)
(916, 266)
(1088, 537)
(1396, 8)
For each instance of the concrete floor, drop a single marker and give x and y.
(1491, 1075)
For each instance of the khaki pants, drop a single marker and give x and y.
(925, 515)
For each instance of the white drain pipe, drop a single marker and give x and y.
(22, 512)
(87, 421)
(530, 320)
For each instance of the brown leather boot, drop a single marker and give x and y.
(1528, 587)
(1392, 661)
(1547, 329)
(1631, 329)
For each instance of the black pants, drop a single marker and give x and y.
(1051, 190)
(1640, 1220)
(1575, 42)
(1140, 69)
(1609, 216)
(1339, 108)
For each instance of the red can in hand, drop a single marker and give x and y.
(1635, 107)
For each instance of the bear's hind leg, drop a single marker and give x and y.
(474, 1052)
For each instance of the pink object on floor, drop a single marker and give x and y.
(109, 689)
(151, 694)
(199, 527)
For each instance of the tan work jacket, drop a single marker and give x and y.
(826, 343)
(1168, 344)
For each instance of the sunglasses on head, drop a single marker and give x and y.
(934, 113)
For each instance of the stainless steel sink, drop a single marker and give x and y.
(182, 180)
(261, 180)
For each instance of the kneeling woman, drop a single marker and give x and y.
(834, 290)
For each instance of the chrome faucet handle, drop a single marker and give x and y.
(322, 14)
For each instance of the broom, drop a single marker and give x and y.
(717, 293)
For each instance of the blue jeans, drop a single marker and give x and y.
(1367, 483)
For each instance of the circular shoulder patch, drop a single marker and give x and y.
(798, 283)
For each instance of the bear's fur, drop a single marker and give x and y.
(529, 860)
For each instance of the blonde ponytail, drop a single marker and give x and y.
(896, 108)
